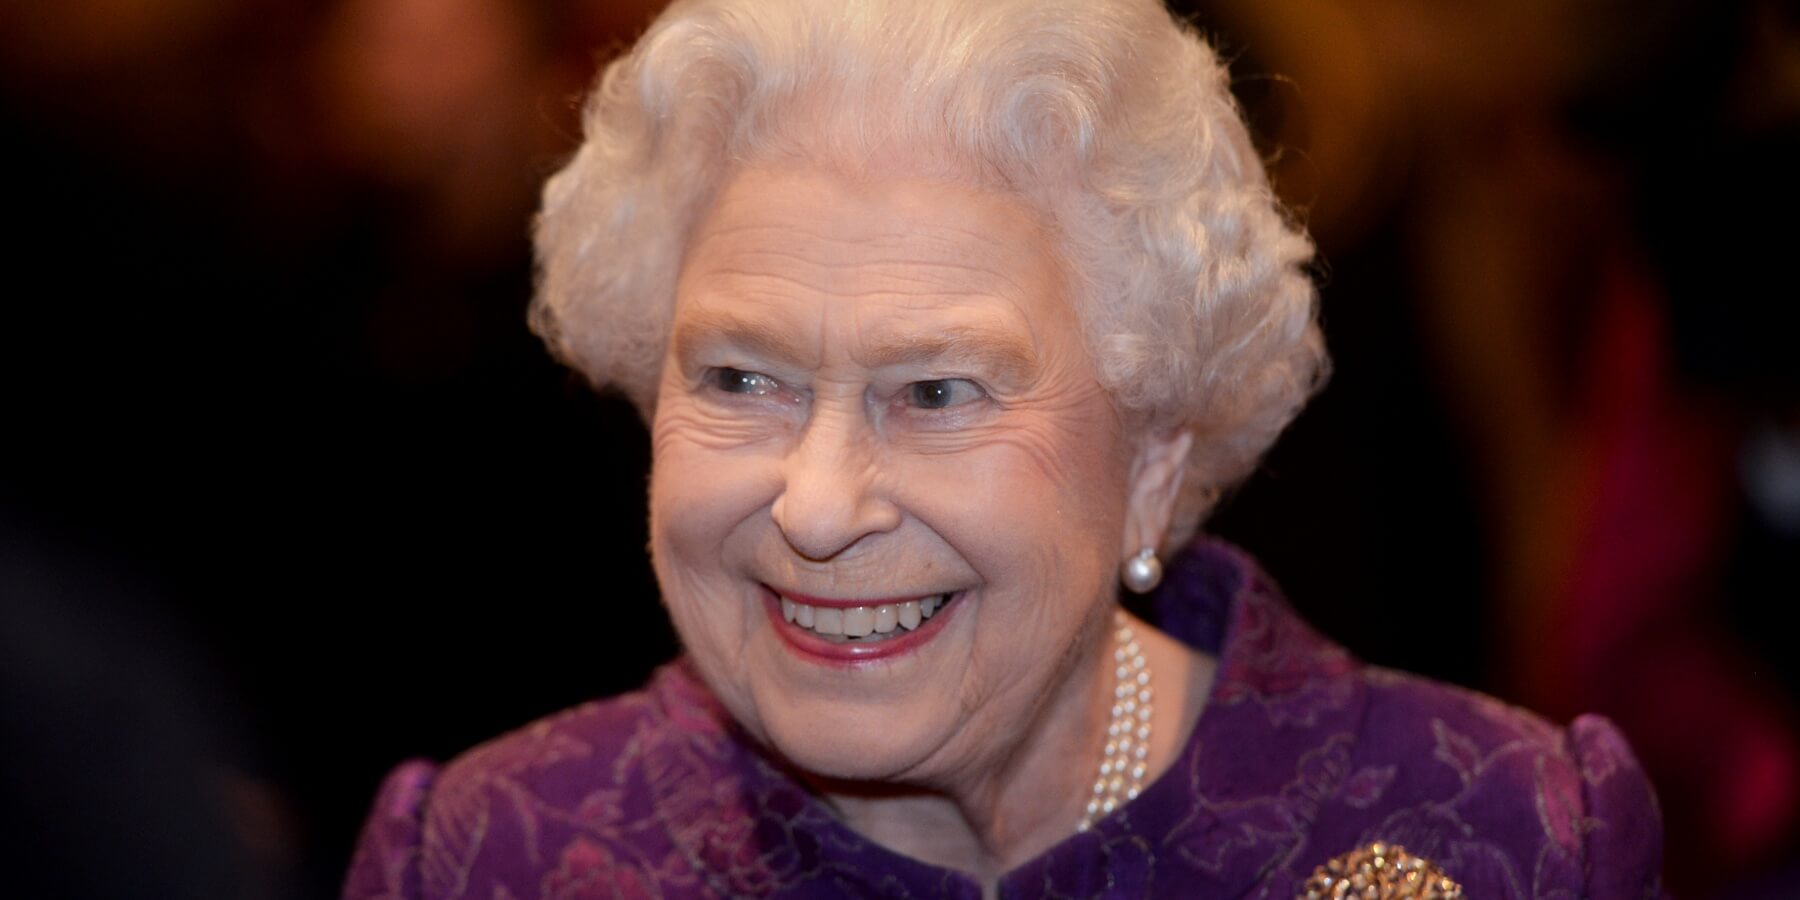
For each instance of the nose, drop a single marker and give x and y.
(831, 497)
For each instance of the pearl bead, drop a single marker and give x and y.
(1128, 731)
(1142, 573)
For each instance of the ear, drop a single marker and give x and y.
(1155, 483)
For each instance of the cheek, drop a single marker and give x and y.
(1036, 509)
(698, 498)
(708, 472)
(702, 494)
(1052, 469)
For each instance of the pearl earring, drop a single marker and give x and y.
(1143, 572)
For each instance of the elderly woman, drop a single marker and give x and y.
(951, 318)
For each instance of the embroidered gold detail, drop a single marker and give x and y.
(1379, 872)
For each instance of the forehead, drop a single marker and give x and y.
(783, 242)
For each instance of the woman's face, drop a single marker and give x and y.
(877, 399)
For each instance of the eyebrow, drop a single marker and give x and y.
(997, 353)
(994, 352)
(758, 338)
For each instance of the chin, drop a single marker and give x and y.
(853, 744)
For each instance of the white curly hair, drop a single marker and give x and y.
(1109, 118)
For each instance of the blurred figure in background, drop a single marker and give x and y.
(1576, 194)
(267, 354)
(123, 775)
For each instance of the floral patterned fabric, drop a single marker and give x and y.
(1302, 753)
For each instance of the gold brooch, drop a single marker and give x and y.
(1380, 872)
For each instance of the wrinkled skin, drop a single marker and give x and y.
(879, 389)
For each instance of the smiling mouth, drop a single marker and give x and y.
(864, 624)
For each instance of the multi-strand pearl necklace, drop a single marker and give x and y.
(1127, 756)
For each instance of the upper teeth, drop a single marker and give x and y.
(862, 621)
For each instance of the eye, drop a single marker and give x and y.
(943, 393)
(738, 381)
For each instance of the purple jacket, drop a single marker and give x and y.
(1301, 754)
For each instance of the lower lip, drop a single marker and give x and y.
(819, 649)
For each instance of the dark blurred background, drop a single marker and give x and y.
(288, 493)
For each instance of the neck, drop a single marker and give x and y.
(1018, 802)
(1003, 809)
